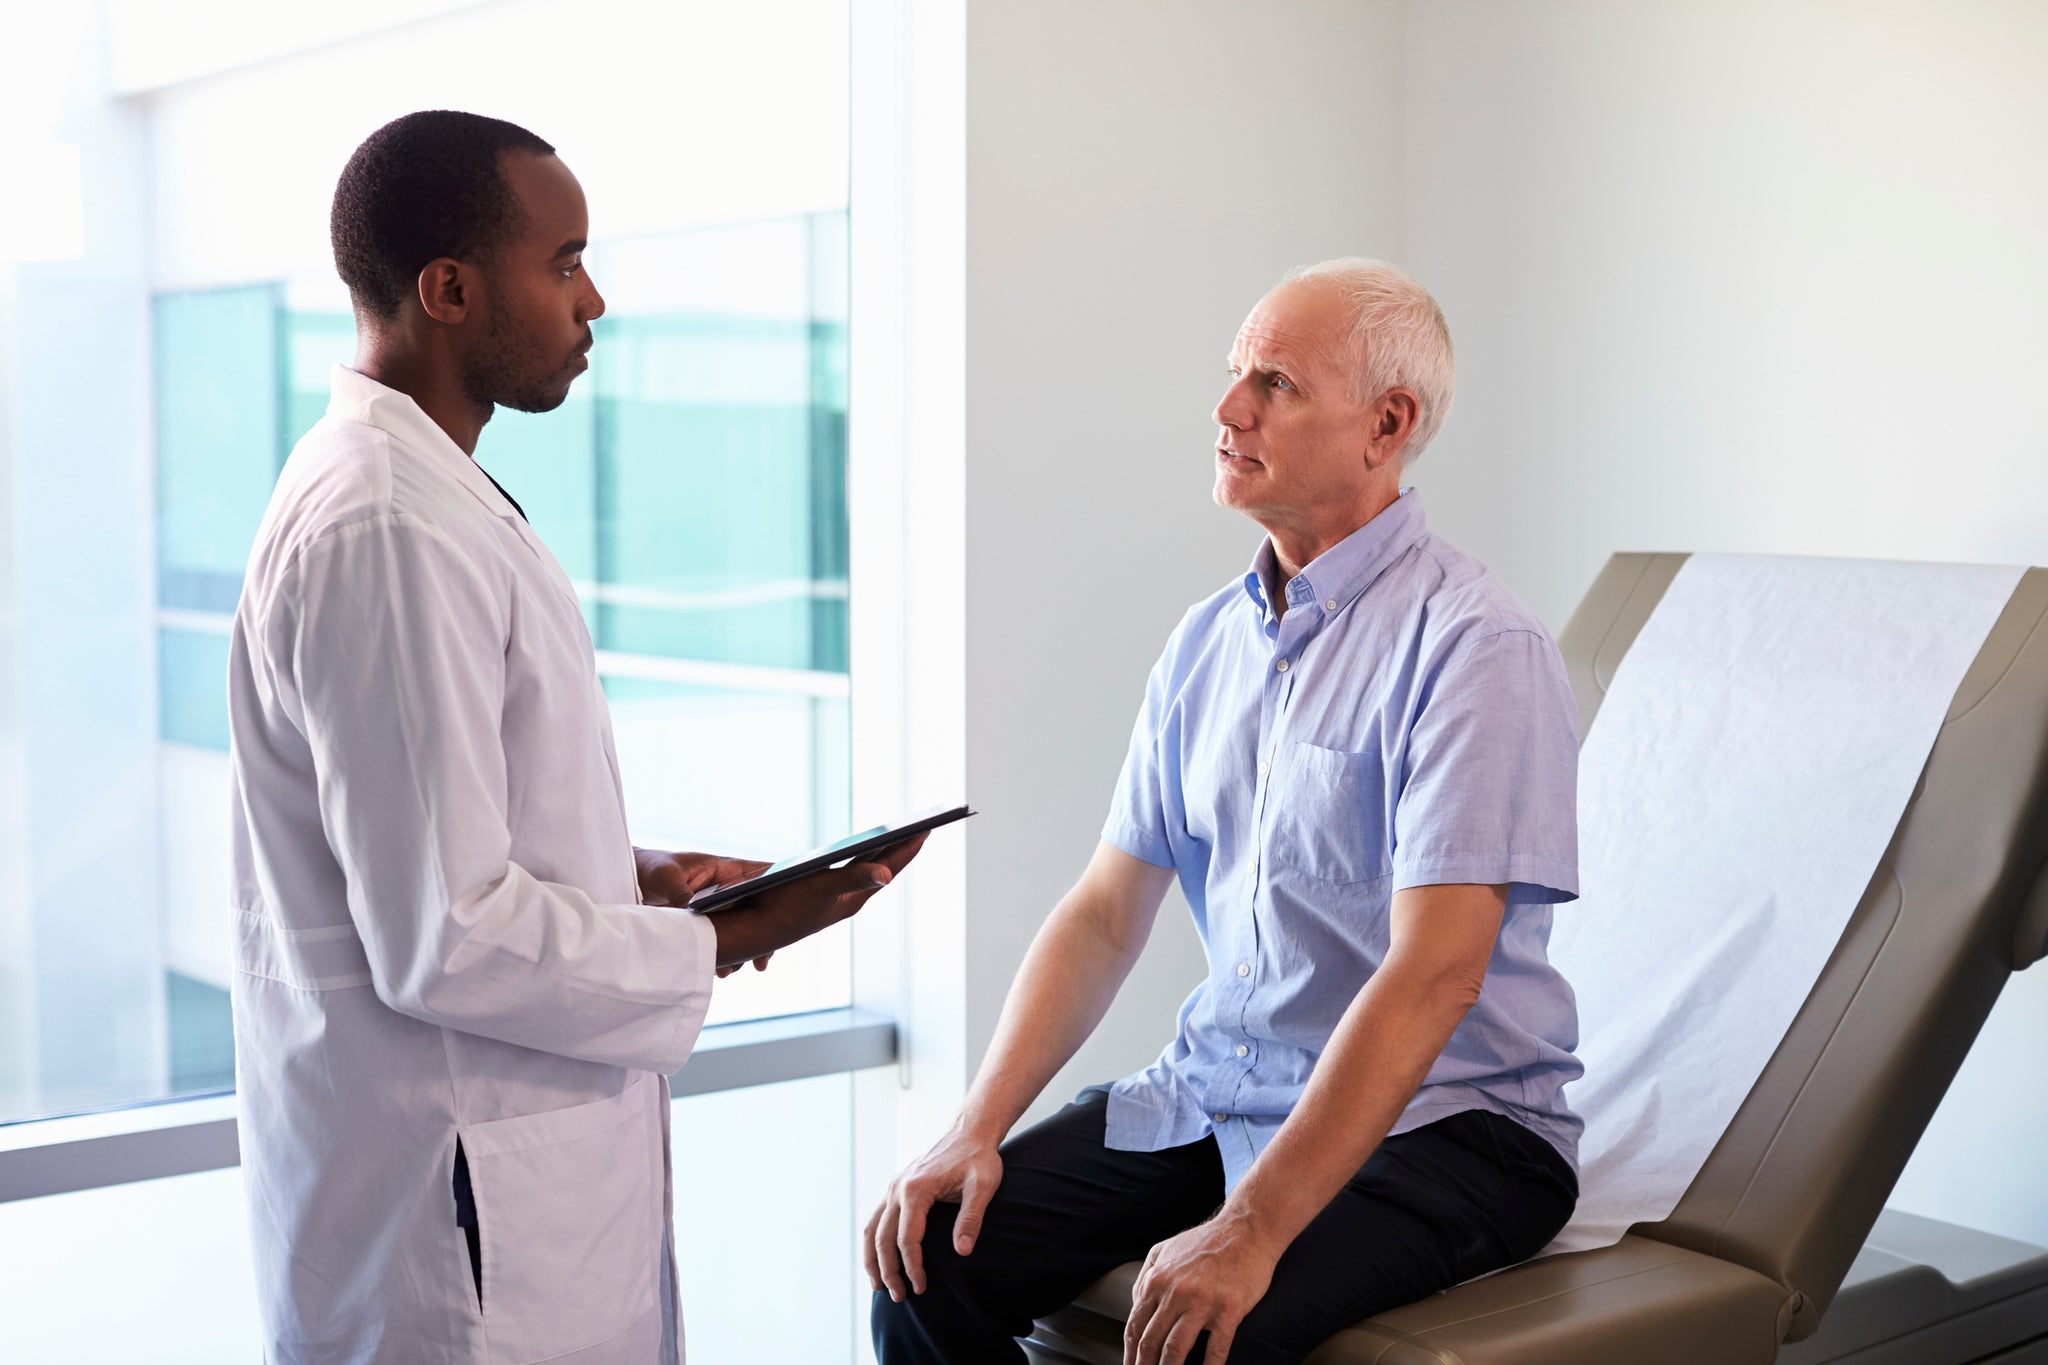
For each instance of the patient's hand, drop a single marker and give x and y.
(961, 1167)
(1206, 1278)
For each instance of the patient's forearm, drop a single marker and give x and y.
(1376, 1061)
(1063, 989)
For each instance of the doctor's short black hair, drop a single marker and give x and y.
(424, 185)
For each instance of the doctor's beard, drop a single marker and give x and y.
(508, 368)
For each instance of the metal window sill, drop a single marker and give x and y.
(179, 1137)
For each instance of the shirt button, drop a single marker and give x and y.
(1244, 969)
(1220, 1118)
(1264, 766)
(1280, 667)
(1243, 1051)
(1330, 605)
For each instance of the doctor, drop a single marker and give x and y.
(459, 987)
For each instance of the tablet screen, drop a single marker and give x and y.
(831, 855)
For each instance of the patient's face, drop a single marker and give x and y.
(1291, 439)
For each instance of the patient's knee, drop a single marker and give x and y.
(942, 1264)
(944, 1268)
(963, 1298)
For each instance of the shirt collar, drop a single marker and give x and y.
(1334, 579)
(358, 398)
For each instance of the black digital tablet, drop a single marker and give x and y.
(845, 850)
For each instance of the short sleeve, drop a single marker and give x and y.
(1137, 813)
(1489, 790)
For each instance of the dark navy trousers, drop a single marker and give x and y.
(1431, 1208)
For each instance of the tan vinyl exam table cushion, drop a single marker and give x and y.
(1754, 1254)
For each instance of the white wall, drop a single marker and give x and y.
(1734, 277)
(1753, 277)
(1136, 178)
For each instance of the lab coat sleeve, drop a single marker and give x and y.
(397, 642)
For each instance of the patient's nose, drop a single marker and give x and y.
(1232, 410)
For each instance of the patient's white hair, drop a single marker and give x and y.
(1398, 340)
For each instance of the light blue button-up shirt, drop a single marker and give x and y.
(1407, 722)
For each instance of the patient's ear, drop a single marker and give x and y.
(1393, 422)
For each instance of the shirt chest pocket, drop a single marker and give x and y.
(1326, 815)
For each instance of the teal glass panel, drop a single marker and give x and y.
(192, 690)
(315, 342)
(721, 449)
(218, 422)
(829, 539)
(707, 489)
(548, 461)
(200, 1032)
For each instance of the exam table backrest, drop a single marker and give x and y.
(1958, 902)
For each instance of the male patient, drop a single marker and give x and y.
(1360, 762)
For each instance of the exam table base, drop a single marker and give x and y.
(1924, 1292)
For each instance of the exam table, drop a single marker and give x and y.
(1782, 1249)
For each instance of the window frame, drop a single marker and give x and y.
(150, 1140)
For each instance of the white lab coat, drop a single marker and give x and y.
(439, 934)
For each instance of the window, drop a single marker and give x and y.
(693, 487)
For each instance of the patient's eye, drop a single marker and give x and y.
(1280, 381)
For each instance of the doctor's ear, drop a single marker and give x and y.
(446, 290)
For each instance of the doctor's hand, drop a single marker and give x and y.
(673, 878)
(962, 1168)
(758, 925)
(1203, 1280)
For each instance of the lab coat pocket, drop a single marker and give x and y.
(569, 1209)
(1327, 815)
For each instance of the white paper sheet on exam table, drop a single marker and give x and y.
(1746, 771)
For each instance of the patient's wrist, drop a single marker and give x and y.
(1248, 1219)
(978, 1126)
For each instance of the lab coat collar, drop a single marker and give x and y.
(358, 398)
